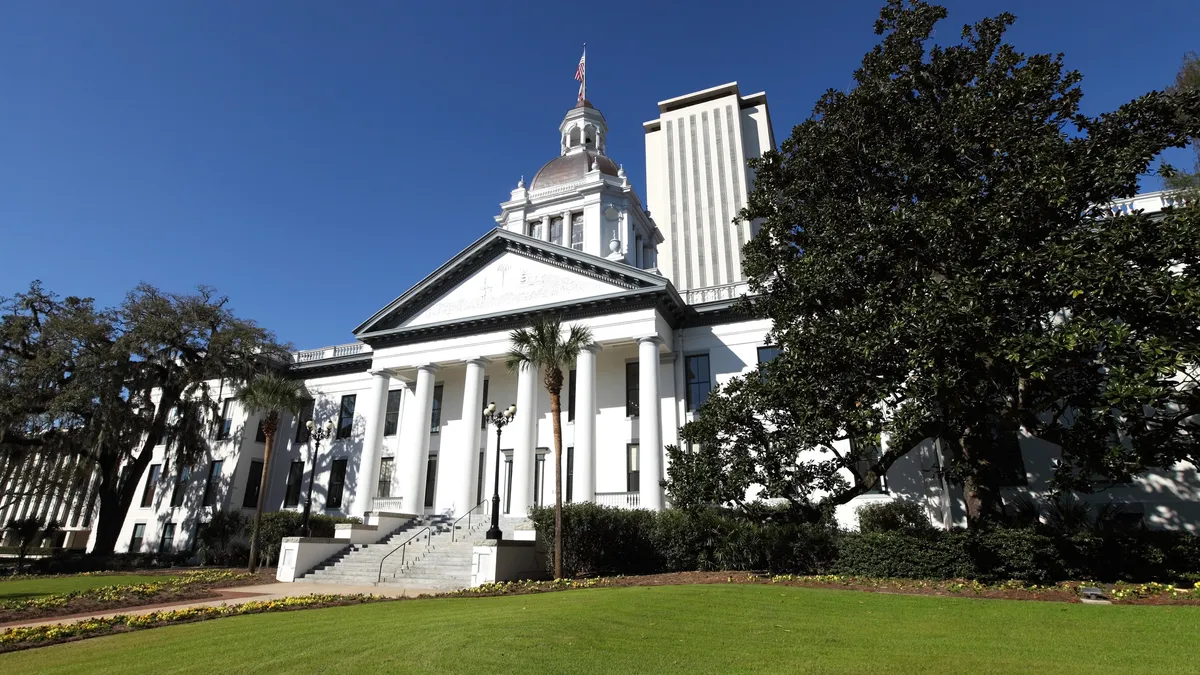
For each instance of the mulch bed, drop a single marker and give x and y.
(79, 607)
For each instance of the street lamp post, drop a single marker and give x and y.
(499, 420)
(316, 434)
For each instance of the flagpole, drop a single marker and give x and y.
(584, 82)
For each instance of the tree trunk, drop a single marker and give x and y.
(556, 420)
(269, 436)
(981, 490)
(115, 500)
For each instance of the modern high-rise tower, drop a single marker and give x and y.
(697, 181)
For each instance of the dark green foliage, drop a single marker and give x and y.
(219, 539)
(935, 262)
(276, 525)
(602, 541)
(894, 515)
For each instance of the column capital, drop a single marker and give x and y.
(481, 361)
(650, 338)
(594, 347)
(429, 367)
(380, 372)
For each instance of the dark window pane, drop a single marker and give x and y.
(698, 382)
(210, 486)
(226, 424)
(337, 481)
(868, 452)
(435, 421)
(391, 419)
(253, 483)
(483, 418)
(631, 389)
(260, 436)
(385, 478)
(346, 416)
(167, 543)
(306, 414)
(151, 483)
(571, 396)
(135, 542)
(767, 353)
(570, 479)
(295, 476)
(180, 489)
(431, 469)
(632, 468)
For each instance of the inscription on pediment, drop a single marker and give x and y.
(508, 283)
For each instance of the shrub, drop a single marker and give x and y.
(897, 554)
(896, 515)
(276, 525)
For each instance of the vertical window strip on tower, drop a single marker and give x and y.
(674, 227)
(713, 237)
(735, 270)
(698, 220)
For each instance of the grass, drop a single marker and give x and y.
(686, 629)
(23, 589)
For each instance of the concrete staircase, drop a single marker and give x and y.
(435, 557)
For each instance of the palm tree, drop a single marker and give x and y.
(543, 345)
(269, 393)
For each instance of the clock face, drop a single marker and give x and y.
(610, 213)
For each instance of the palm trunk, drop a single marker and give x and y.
(556, 417)
(262, 498)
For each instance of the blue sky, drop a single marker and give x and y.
(312, 160)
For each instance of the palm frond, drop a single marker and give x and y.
(271, 392)
(542, 345)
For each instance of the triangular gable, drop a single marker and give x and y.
(507, 283)
(506, 272)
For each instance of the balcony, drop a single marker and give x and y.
(333, 352)
(387, 505)
(700, 296)
(1150, 202)
(621, 500)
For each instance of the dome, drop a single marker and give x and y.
(570, 168)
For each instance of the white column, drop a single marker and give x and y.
(458, 474)
(649, 425)
(414, 441)
(545, 228)
(368, 467)
(524, 435)
(585, 425)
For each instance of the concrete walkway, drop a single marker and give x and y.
(236, 596)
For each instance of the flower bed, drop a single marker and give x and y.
(12, 639)
(187, 585)
(1121, 593)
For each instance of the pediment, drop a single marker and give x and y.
(508, 274)
(507, 283)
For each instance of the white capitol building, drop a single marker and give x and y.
(654, 280)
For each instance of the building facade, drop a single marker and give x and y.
(407, 396)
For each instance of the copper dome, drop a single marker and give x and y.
(570, 168)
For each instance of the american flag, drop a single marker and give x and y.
(581, 74)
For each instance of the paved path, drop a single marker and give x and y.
(236, 596)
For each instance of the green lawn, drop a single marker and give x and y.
(31, 588)
(685, 629)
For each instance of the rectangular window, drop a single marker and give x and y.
(539, 478)
(577, 231)
(698, 381)
(253, 483)
(632, 470)
(391, 419)
(295, 476)
(479, 477)
(631, 389)
(767, 353)
(337, 482)
(135, 542)
(260, 436)
(226, 425)
(571, 396)
(534, 229)
(435, 420)
(484, 418)
(180, 490)
(210, 486)
(556, 227)
(508, 471)
(868, 452)
(384, 489)
(430, 480)
(166, 544)
(151, 482)
(306, 414)
(570, 479)
(346, 416)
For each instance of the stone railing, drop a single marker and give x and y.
(699, 296)
(387, 505)
(1150, 202)
(333, 352)
(621, 500)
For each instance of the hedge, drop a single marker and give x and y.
(601, 540)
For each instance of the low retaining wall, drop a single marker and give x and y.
(298, 555)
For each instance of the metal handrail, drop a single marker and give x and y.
(428, 530)
(467, 515)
